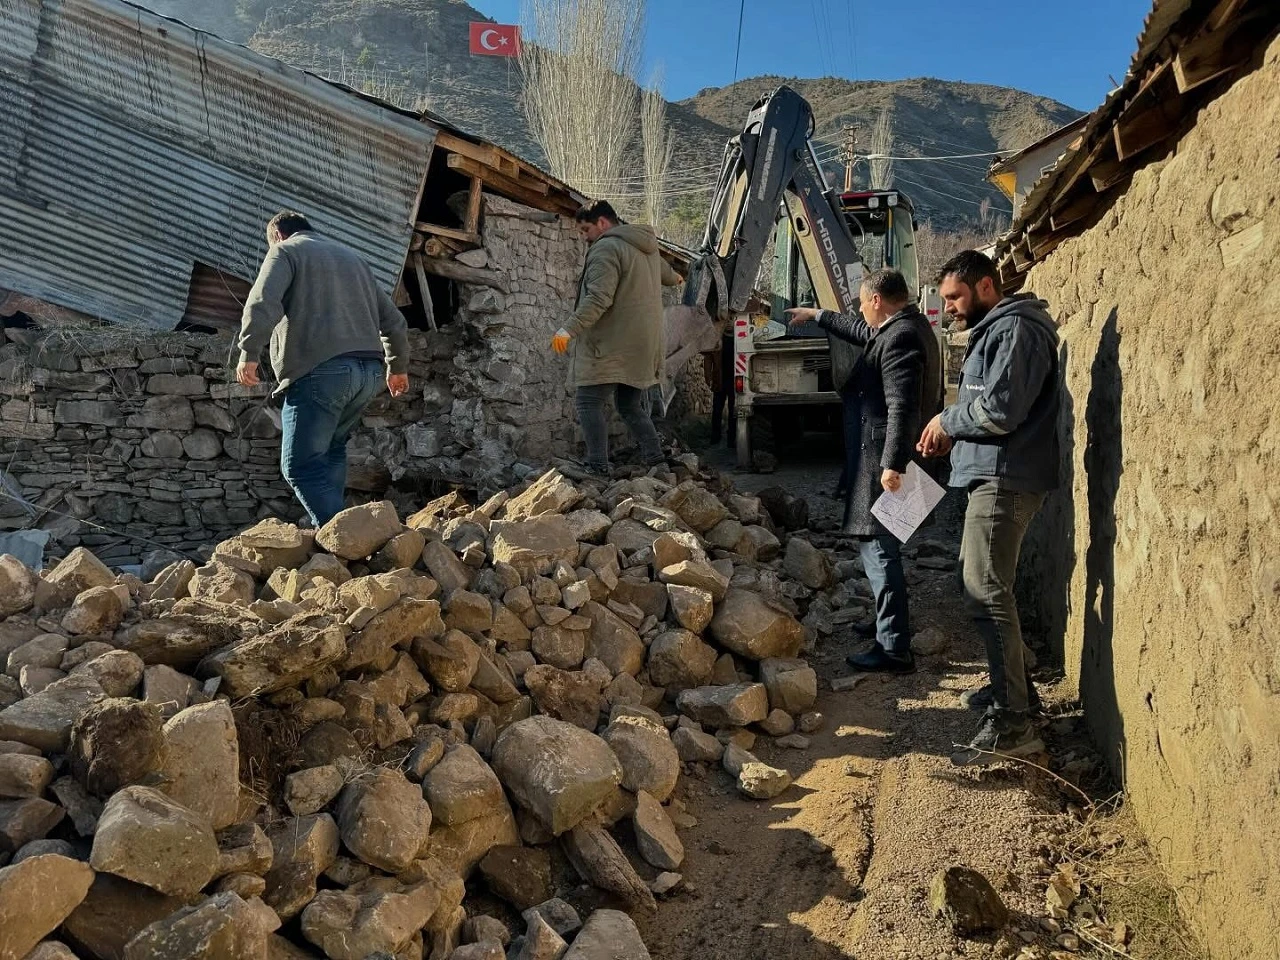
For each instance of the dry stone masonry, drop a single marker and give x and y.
(330, 743)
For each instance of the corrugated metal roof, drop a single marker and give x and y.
(136, 147)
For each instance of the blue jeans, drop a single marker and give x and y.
(882, 559)
(320, 411)
(995, 522)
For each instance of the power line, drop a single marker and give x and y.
(956, 156)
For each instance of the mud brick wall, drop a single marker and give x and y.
(1157, 568)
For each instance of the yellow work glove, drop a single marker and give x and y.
(560, 342)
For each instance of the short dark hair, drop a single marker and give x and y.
(889, 284)
(969, 267)
(591, 212)
(289, 222)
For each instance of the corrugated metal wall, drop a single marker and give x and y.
(133, 147)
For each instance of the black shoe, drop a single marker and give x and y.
(879, 660)
(983, 699)
(1001, 735)
(866, 629)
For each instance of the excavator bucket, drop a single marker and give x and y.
(687, 332)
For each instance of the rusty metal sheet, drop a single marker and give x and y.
(137, 147)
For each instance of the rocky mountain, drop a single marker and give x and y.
(415, 53)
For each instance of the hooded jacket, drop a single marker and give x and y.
(617, 318)
(1005, 423)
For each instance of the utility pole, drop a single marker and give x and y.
(848, 152)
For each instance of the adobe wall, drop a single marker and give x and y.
(1159, 570)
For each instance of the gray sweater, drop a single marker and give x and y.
(316, 299)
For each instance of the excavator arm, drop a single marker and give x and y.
(768, 169)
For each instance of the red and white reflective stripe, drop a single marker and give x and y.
(740, 364)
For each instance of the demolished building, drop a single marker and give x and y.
(142, 160)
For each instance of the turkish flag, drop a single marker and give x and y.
(495, 40)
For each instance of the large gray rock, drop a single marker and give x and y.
(23, 776)
(113, 913)
(967, 901)
(221, 927)
(45, 719)
(297, 649)
(384, 819)
(751, 626)
(310, 791)
(613, 641)
(115, 743)
(450, 572)
(148, 838)
(656, 836)
(600, 861)
(608, 935)
(572, 696)
(376, 918)
(36, 895)
(45, 650)
(679, 660)
(650, 761)
(302, 848)
(806, 563)
(462, 787)
(460, 846)
(202, 761)
(694, 746)
(25, 820)
(732, 706)
(117, 671)
(556, 771)
(358, 532)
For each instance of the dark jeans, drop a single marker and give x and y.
(995, 522)
(593, 415)
(882, 559)
(320, 411)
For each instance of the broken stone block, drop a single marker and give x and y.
(676, 547)
(778, 723)
(967, 901)
(679, 660)
(383, 818)
(752, 626)
(116, 742)
(378, 917)
(691, 606)
(461, 846)
(519, 875)
(792, 684)
(601, 863)
(78, 571)
(202, 762)
(243, 848)
(650, 761)
(694, 746)
(726, 535)
(613, 641)
(220, 927)
(146, 837)
(588, 526)
(23, 776)
(656, 837)
(541, 942)
(462, 787)
(807, 564)
(283, 657)
(495, 679)
(45, 650)
(220, 582)
(732, 706)
(481, 928)
(25, 820)
(310, 791)
(561, 648)
(469, 612)
(631, 536)
(358, 532)
(17, 586)
(36, 896)
(96, 610)
(118, 672)
(572, 696)
(556, 771)
(34, 679)
(696, 505)
(761, 781)
(302, 849)
(479, 951)
(608, 935)
(444, 565)
(549, 494)
(397, 627)
(698, 574)
(402, 551)
(533, 547)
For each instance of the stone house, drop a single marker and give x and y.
(1155, 571)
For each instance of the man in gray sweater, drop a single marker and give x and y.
(332, 331)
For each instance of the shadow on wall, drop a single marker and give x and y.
(1103, 465)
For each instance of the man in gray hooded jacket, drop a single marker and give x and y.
(1002, 434)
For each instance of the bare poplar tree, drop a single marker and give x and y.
(881, 152)
(580, 94)
(658, 146)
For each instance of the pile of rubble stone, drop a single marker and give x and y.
(393, 739)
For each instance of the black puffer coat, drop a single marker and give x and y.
(894, 390)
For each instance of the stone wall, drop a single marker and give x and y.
(149, 434)
(1158, 569)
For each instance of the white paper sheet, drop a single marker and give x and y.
(903, 511)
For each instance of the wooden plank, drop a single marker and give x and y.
(454, 270)
(485, 153)
(428, 310)
(1139, 130)
(497, 178)
(473, 205)
(1107, 173)
(453, 233)
(1218, 49)
(1077, 209)
(521, 192)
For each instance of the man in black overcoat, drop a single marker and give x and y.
(895, 388)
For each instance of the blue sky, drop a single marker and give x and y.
(1059, 50)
